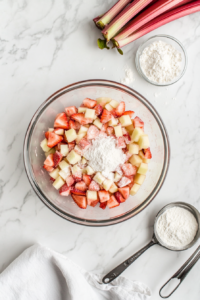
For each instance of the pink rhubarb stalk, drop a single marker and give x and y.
(165, 18)
(126, 15)
(102, 21)
(146, 16)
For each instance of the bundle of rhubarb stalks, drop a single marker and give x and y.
(128, 20)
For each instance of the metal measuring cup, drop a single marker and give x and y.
(156, 241)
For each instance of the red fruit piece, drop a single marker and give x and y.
(81, 186)
(128, 155)
(103, 134)
(129, 169)
(52, 179)
(84, 144)
(129, 113)
(137, 122)
(46, 135)
(61, 121)
(57, 147)
(71, 110)
(92, 202)
(49, 161)
(76, 191)
(104, 127)
(48, 168)
(124, 131)
(123, 182)
(71, 146)
(53, 139)
(120, 142)
(65, 190)
(119, 197)
(94, 186)
(87, 102)
(103, 195)
(87, 179)
(98, 109)
(112, 202)
(120, 109)
(80, 201)
(147, 153)
(106, 116)
(92, 132)
(74, 125)
(57, 157)
(103, 205)
(110, 130)
(78, 150)
(80, 118)
(70, 180)
(125, 192)
(127, 138)
(77, 177)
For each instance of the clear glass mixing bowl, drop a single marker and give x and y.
(73, 95)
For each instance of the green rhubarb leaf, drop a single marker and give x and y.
(120, 51)
(102, 44)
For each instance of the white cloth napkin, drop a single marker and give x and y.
(42, 274)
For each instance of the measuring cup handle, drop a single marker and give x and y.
(182, 272)
(123, 266)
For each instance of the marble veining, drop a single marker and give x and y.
(45, 45)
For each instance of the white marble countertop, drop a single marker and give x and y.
(45, 45)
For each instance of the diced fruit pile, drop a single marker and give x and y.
(73, 132)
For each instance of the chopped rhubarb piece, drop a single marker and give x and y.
(92, 132)
(147, 153)
(110, 130)
(70, 180)
(81, 186)
(61, 121)
(125, 191)
(59, 131)
(103, 195)
(129, 169)
(71, 110)
(127, 138)
(128, 155)
(103, 205)
(87, 102)
(120, 142)
(80, 117)
(106, 116)
(57, 157)
(119, 197)
(124, 131)
(46, 135)
(65, 190)
(123, 182)
(120, 109)
(87, 179)
(93, 203)
(129, 113)
(130, 185)
(49, 161)
(58, 146)
(94, 186)
(77, 192)
(84, 144)
(48, 168)
(98, 109)
(53, 139)
(137, 122)
(71, 145)
(78, 150)
(80, 201)
(74, 125)
(112, 202)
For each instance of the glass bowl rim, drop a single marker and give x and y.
(139, 69)
(38, 191)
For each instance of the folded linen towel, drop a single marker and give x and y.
(42, 274)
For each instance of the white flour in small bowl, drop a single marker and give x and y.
(177, 227)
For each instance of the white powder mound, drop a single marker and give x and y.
(104, 156)
(128, 79)
(177, 227)
(161, 62)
